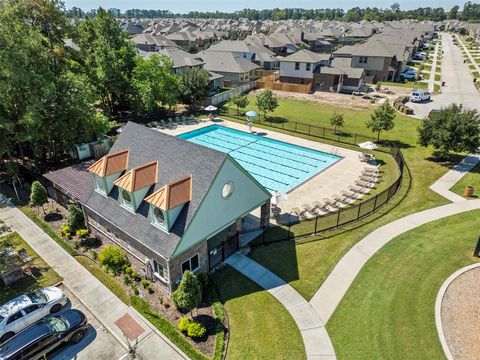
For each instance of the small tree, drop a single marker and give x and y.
(336, 121)
(240, 101)
(75, 219)
(38, 195)
(189, 293)
(451, 129)
(266, 102)
(194, 87)
(113, 258)
(382, 119)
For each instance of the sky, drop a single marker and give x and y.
(184, 6)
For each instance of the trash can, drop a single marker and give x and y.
(468, 192)
(443, 83)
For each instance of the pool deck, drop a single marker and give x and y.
(327, 183)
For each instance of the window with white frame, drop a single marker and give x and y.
(126, 199)
(158, 216)
(159, 270)
(191, 264)
(297, 66)
(99, 184)
(308, 66)
(363, 60)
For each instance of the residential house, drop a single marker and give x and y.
(148, 42)
(380, 60)
(235, 70)
(172, 205)
(299, 67)
(339, 76)
(248, 50)
(317, 43)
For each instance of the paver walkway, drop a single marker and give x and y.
(102, 303)
(443, 185)
(315, 337)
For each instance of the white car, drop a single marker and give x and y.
(419, 96)
(24, 310)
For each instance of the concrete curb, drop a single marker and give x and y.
(438, 306)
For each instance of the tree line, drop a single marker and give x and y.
(470, 12)
(56, 95)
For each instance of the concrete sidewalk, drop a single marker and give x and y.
(443, 185)
(99, 300)
(431, 79)
(474, 63)
(327, 298)
(315, 337)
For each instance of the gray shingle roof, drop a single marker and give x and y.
(73, 180)
(306, 56)
(176, 159)
(226, 62)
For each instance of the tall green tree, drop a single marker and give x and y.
(38, 195)
(240, 101)
(44, 106)
(453, 13)
(109, 59)
(194, 87)
(453, 129)
(189, 293)
(382, 119)
(154, 83)
(266, 102)
(336, 120)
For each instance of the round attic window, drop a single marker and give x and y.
(227, 189)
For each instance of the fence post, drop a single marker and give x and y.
(338, 217)
(375, 203)
(316, 221)
(359, 208)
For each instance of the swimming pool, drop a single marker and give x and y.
(277, 165)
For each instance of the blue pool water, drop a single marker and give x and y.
(277, 165)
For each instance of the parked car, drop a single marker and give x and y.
(46, 335)
(419, 96)
(420, 56)
(409, 74)
(24, 310)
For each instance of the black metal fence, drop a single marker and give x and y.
(321, 132)
(343, 216)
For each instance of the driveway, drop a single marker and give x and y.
(95, 342)
(458, 87)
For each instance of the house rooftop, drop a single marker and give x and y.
(306, 56)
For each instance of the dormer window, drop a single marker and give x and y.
(126, 199)
(107, 169)
(158, 216)
(99, 184)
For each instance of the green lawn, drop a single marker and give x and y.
(438, 77)
(41, 274)
(388, 313)
(408, 84)
(260, 327)
(294, 262)
(472, 178)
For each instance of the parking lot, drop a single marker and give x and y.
(97, 344)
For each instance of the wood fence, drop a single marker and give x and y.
(271, 82)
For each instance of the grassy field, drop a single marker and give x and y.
(388, 313)
(260, 327)
(438, 77)
(294, 262)
(40, 275)
(408, 84)
(472, 178)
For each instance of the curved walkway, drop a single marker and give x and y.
(438, 307)
(315, 337)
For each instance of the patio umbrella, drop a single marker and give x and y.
(251, 113)
(368, 145)
(210, 108)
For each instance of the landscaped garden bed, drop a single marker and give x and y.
(126, 282)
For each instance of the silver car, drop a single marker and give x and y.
(24, 310)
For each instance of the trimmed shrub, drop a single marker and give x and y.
(150, 289)
(129, 270)
(75, 219)
(196, 330)
(184, 323)
(113, 258)
(127, 280)
(136, 276)
(145, 283)
(189, 293)
(82, 232)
